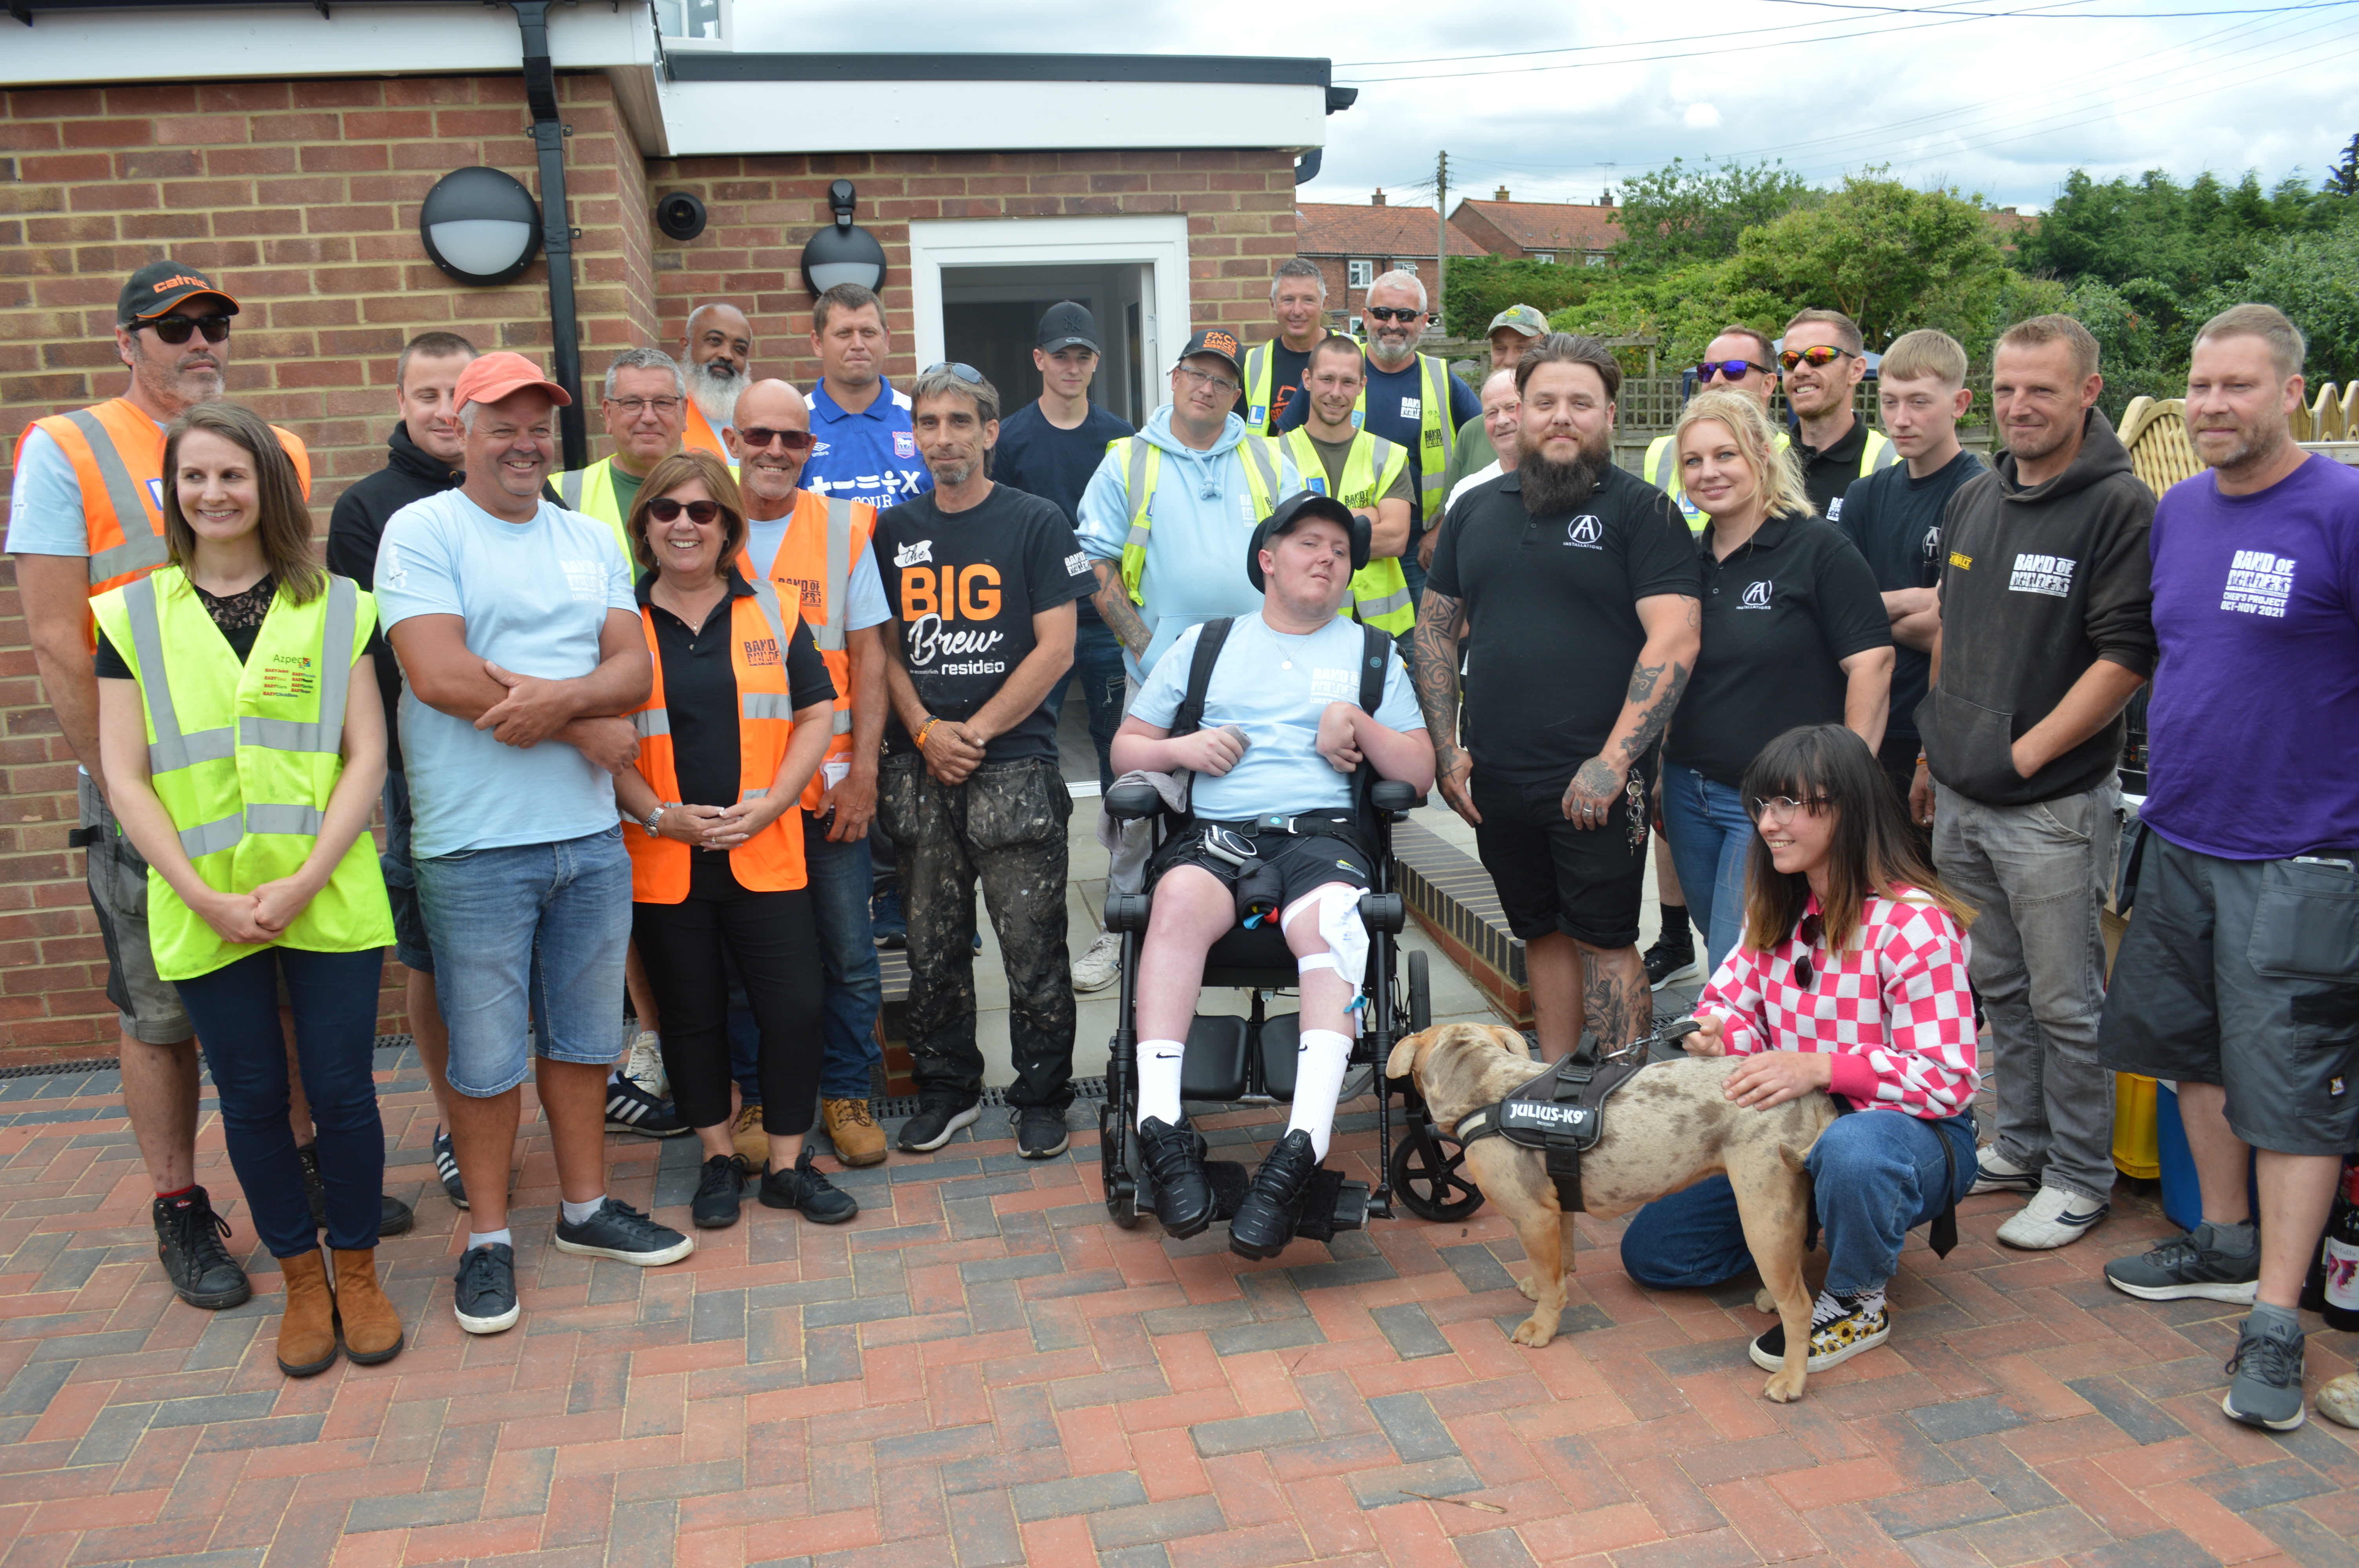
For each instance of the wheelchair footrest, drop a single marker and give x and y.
(1329, 1204)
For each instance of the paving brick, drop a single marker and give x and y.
(1398, 1483)
(1417, 1433)
(983, 1528)
(1936, 1508)
(2165, 1549)
(1080, 1495)
(1252, 1434)
(1411, 1331)
(1169, 1522)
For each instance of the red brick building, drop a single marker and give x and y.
(1355, 245)
(1569, 234)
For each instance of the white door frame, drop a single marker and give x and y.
(1157, 240)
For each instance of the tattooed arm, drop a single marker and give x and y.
(1441, 622)
(1674, 625)
(1115, 609)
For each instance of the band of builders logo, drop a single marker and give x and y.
(2050, 575)
(291, 675)
(1585, 533)
(2259, 583)
(1756, 595)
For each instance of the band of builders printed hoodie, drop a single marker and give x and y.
(2040, 582)
(1200, 521)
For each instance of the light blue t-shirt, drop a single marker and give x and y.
(870, 456)
(535, 598)
(45, 516)
(1279, 708)
(865, 604)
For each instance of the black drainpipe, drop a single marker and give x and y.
(556, 231)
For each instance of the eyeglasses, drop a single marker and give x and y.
(966, 373)
(664, 509)
(1781, 808)
(1393, 313)
(635, 407)
(759, 439)
(1206, 378)
(1823, 355)
(175, 328)
(1733, 370)
(1808, 932)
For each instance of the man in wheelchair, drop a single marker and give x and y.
(1272, 834)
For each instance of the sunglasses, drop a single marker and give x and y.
(759, 439)
(1735, 369)
(1392, 313)
(175, 328)
(965, 372)
(664, 509)
(1823, 355)
(1810, 930)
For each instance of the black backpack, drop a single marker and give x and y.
(1376, 645)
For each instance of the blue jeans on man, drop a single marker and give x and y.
(1097, 669)
(839, 884)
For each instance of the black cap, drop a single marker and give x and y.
(1294, 509)
(1218, 341)
(159, 286)
(1067, 326)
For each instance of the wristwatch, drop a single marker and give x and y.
(655, 817)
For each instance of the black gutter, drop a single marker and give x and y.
(548, 136)
(1249, 71)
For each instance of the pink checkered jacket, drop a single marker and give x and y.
(1894, 1009)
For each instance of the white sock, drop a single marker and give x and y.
(500, 1237)
(575, 1213)
(1159, 1081)
(1319, 1060)
(614, 1076)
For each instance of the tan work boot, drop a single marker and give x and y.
(752, 1142)
(372, 1327)
(307, 1323)
(858, 1139)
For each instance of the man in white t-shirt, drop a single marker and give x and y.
(1501, 406)
(520, 646)
(1281, 734)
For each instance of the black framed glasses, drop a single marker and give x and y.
(1392, 313)
(759, 439)
(703, 513)
(1733, 370)
(965, 372)
(175, 328)
(1822, 355)
(1808, 934)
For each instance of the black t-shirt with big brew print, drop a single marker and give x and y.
(964, 587)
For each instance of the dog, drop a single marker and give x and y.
(1666, 1130)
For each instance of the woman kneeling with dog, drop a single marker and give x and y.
(1850, 977)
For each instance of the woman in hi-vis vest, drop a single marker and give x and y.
(239, 765)
(740, 715)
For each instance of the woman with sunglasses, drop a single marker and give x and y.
(1793, 632)
(739, 718)
(244, 770)
(1850, 980)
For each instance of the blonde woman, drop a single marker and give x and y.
(1794, 633)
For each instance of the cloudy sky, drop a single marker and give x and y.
(1995, 96)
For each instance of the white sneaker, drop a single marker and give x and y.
(646, 1065)
(1101, 966)
(1994, 1172)
(2054, 1218)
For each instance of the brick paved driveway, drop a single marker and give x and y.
(983, 1370)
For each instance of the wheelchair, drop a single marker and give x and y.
(1251, 1059)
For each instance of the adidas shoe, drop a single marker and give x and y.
(2267, 1368)
(1841, 1327)
(2054, 1218)
(2190, 1265)
(445, 1170)
(1994, 1172)
(630, 1109)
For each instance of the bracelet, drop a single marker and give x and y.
(923, 731)
(1920, 760)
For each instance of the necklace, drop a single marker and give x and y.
(1289, 643)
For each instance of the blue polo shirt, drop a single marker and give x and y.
(870, 456)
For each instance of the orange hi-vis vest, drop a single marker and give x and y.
(118, 461)
(772, 860)
(813, 571)
(698, 436)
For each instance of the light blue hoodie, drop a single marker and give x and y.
(1198, 525)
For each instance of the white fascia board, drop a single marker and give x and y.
(718, 118)
(205, 43)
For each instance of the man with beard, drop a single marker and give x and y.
(644, 405)
(1560, 577)
(1823, 360)
(1273, 370)
(720, 344)
(1410, 400)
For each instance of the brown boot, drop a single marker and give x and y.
(371, 1328)
(307, 1323)
(753, 1143)
(858, 1139)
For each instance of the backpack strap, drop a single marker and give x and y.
(1209, 640)
(1375, 647)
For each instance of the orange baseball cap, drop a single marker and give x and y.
(491, 377)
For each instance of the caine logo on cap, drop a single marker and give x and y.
(1221, 343)
(171, 282)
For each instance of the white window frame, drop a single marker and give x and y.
(1594, 258)
(1405, 266)
(1548, 257)
(1359, 274)
(1355, 327)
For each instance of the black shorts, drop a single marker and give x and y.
(1553, 876)
(1302, 865)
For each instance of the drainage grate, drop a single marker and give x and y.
(900, 1106)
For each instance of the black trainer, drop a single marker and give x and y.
(630, 1109)
(1041, 1133)
(2193, 1265)
(189, 1237)
(934, 1124)
(1173, 1162)
(392, 1215)
(718, 1192)
(446, 1167)
(1671, 958)
(485, 1299)
(804, 1187)
(621, 1232)
(1264, 1221)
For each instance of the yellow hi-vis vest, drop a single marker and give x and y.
(1142, 463)
(245, 757)
(1261, 402)
(590, 491)
(1662, 469)
(1380, 588)
(1437, 437)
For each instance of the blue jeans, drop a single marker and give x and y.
(847, 950)
(528, 936)
(1876, 1175)
(409, 943)
(1711, 840)
(1097, 666)
(333, 996)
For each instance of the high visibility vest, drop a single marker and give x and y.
(813, 571)
(698, 436)
(590, 491)
(118, 461)
(1662, 469)
(244, 758)
(1437, 437)
(1261, 403)
(771, 860)
(1142, 463)
(1380, 588)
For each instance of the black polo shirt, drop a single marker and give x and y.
(699, 687)
(1551, 606)
(1828, 471)
(1896, 522)
(1779, 616)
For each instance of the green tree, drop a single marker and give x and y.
(2342, 179)
(1479, 288)
(2311, 278)
(1684, 213)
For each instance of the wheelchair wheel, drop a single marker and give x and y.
(1430, 1178)
(1421, 993)
(1121, 1189)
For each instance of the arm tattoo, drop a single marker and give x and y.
(1115, 609)
(1441, 622)
(1654, 691)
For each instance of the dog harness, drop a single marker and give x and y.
(1560, 1112)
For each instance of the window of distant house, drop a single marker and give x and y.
(1355, 328)
(1359, 274)
(1594, 258)
(1408, 266)
(1549, 256)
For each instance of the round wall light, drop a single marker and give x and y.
(479, 225)
(681, 216)
(844, 252)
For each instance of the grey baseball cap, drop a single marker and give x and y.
(1524, 319)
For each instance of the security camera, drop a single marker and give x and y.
(681, 216)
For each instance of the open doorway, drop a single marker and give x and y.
(990, 317)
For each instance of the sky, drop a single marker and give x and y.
(1995, 97)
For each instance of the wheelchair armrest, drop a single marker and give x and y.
(1395, 796)
(1132, 801)
(1386, 911)
(1128, 911)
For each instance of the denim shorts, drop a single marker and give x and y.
(409, 943)
(528, 936)
(148, 1004)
